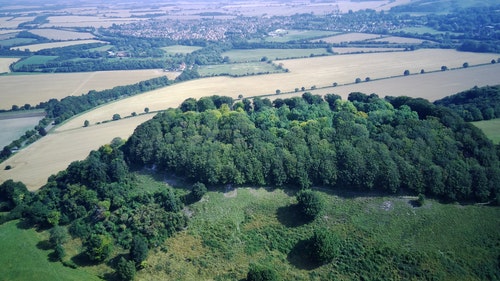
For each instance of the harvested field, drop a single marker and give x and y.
(355, 50)
(33, 89)
(272, 54)
(8, 31)
(349, 37)
(398, 40)
(76, 142)
(32, 165)
(63, 35)
(13, 22)
(85, 21)
(38, 47)
(5, 63)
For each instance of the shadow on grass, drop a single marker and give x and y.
(44, 245)
(291, 216)
(300, 256)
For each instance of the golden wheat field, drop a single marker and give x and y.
(57, 34)
(75, 142)
(53, 153)
(38, 47)
(33, 89)
(5, 63)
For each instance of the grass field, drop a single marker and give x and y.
(491, 128)
(228, 231)
(321, 72)
(16, 41)
(24, 257)
(38, 47)
(57, 34)
(398, 40)
(246, 68)
(355, 50)
(272, 54)
(35, 59)
(33, 89)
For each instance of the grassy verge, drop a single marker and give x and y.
(491, 128)
(25, 256)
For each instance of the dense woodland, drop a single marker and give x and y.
(475, 104)
(366, 143)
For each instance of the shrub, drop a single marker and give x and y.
(125, 270)
(261, 273)
(309, 203)
(198, 190)
(325, 246)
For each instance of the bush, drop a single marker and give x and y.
(325, 246)
(309, 203)
(125, 270)
(261, 273)
(139, 250)
(198, 191)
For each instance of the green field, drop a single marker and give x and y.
(422, 30)
(272, 54)
(34, 60)
(16, 42)
(25, 257)
(491, 128)
(384, 238)
(180, 49)
(237, 69)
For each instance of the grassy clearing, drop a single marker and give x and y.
(237, 69)
(180, 49)
(272, 54)
(350, 37)
(230, 230)
(25, 257)
(491, 128)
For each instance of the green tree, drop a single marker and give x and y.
(406, 72)
(325, 245)
(358, 80)
(139, 250)
(465, 65)
(146, 110)
(98, 247)
(198, 190)
(261, 273)
(59, 252)
(86, 123)
(58, 235)
(309, 203)
(116, 116)
(444, 68)
(125, 270)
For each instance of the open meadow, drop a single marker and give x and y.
(491, 128)
(13, 128)
(36, 88)
(272, 54)
(25, 257)
(228, 231)
(72, 142)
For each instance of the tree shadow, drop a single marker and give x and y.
(82, 260)
(24, 224)
(44, 245)
(300, 256)
(291, 216)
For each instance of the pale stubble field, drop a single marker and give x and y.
(72, 142)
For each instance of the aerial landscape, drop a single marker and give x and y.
(250, 140)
